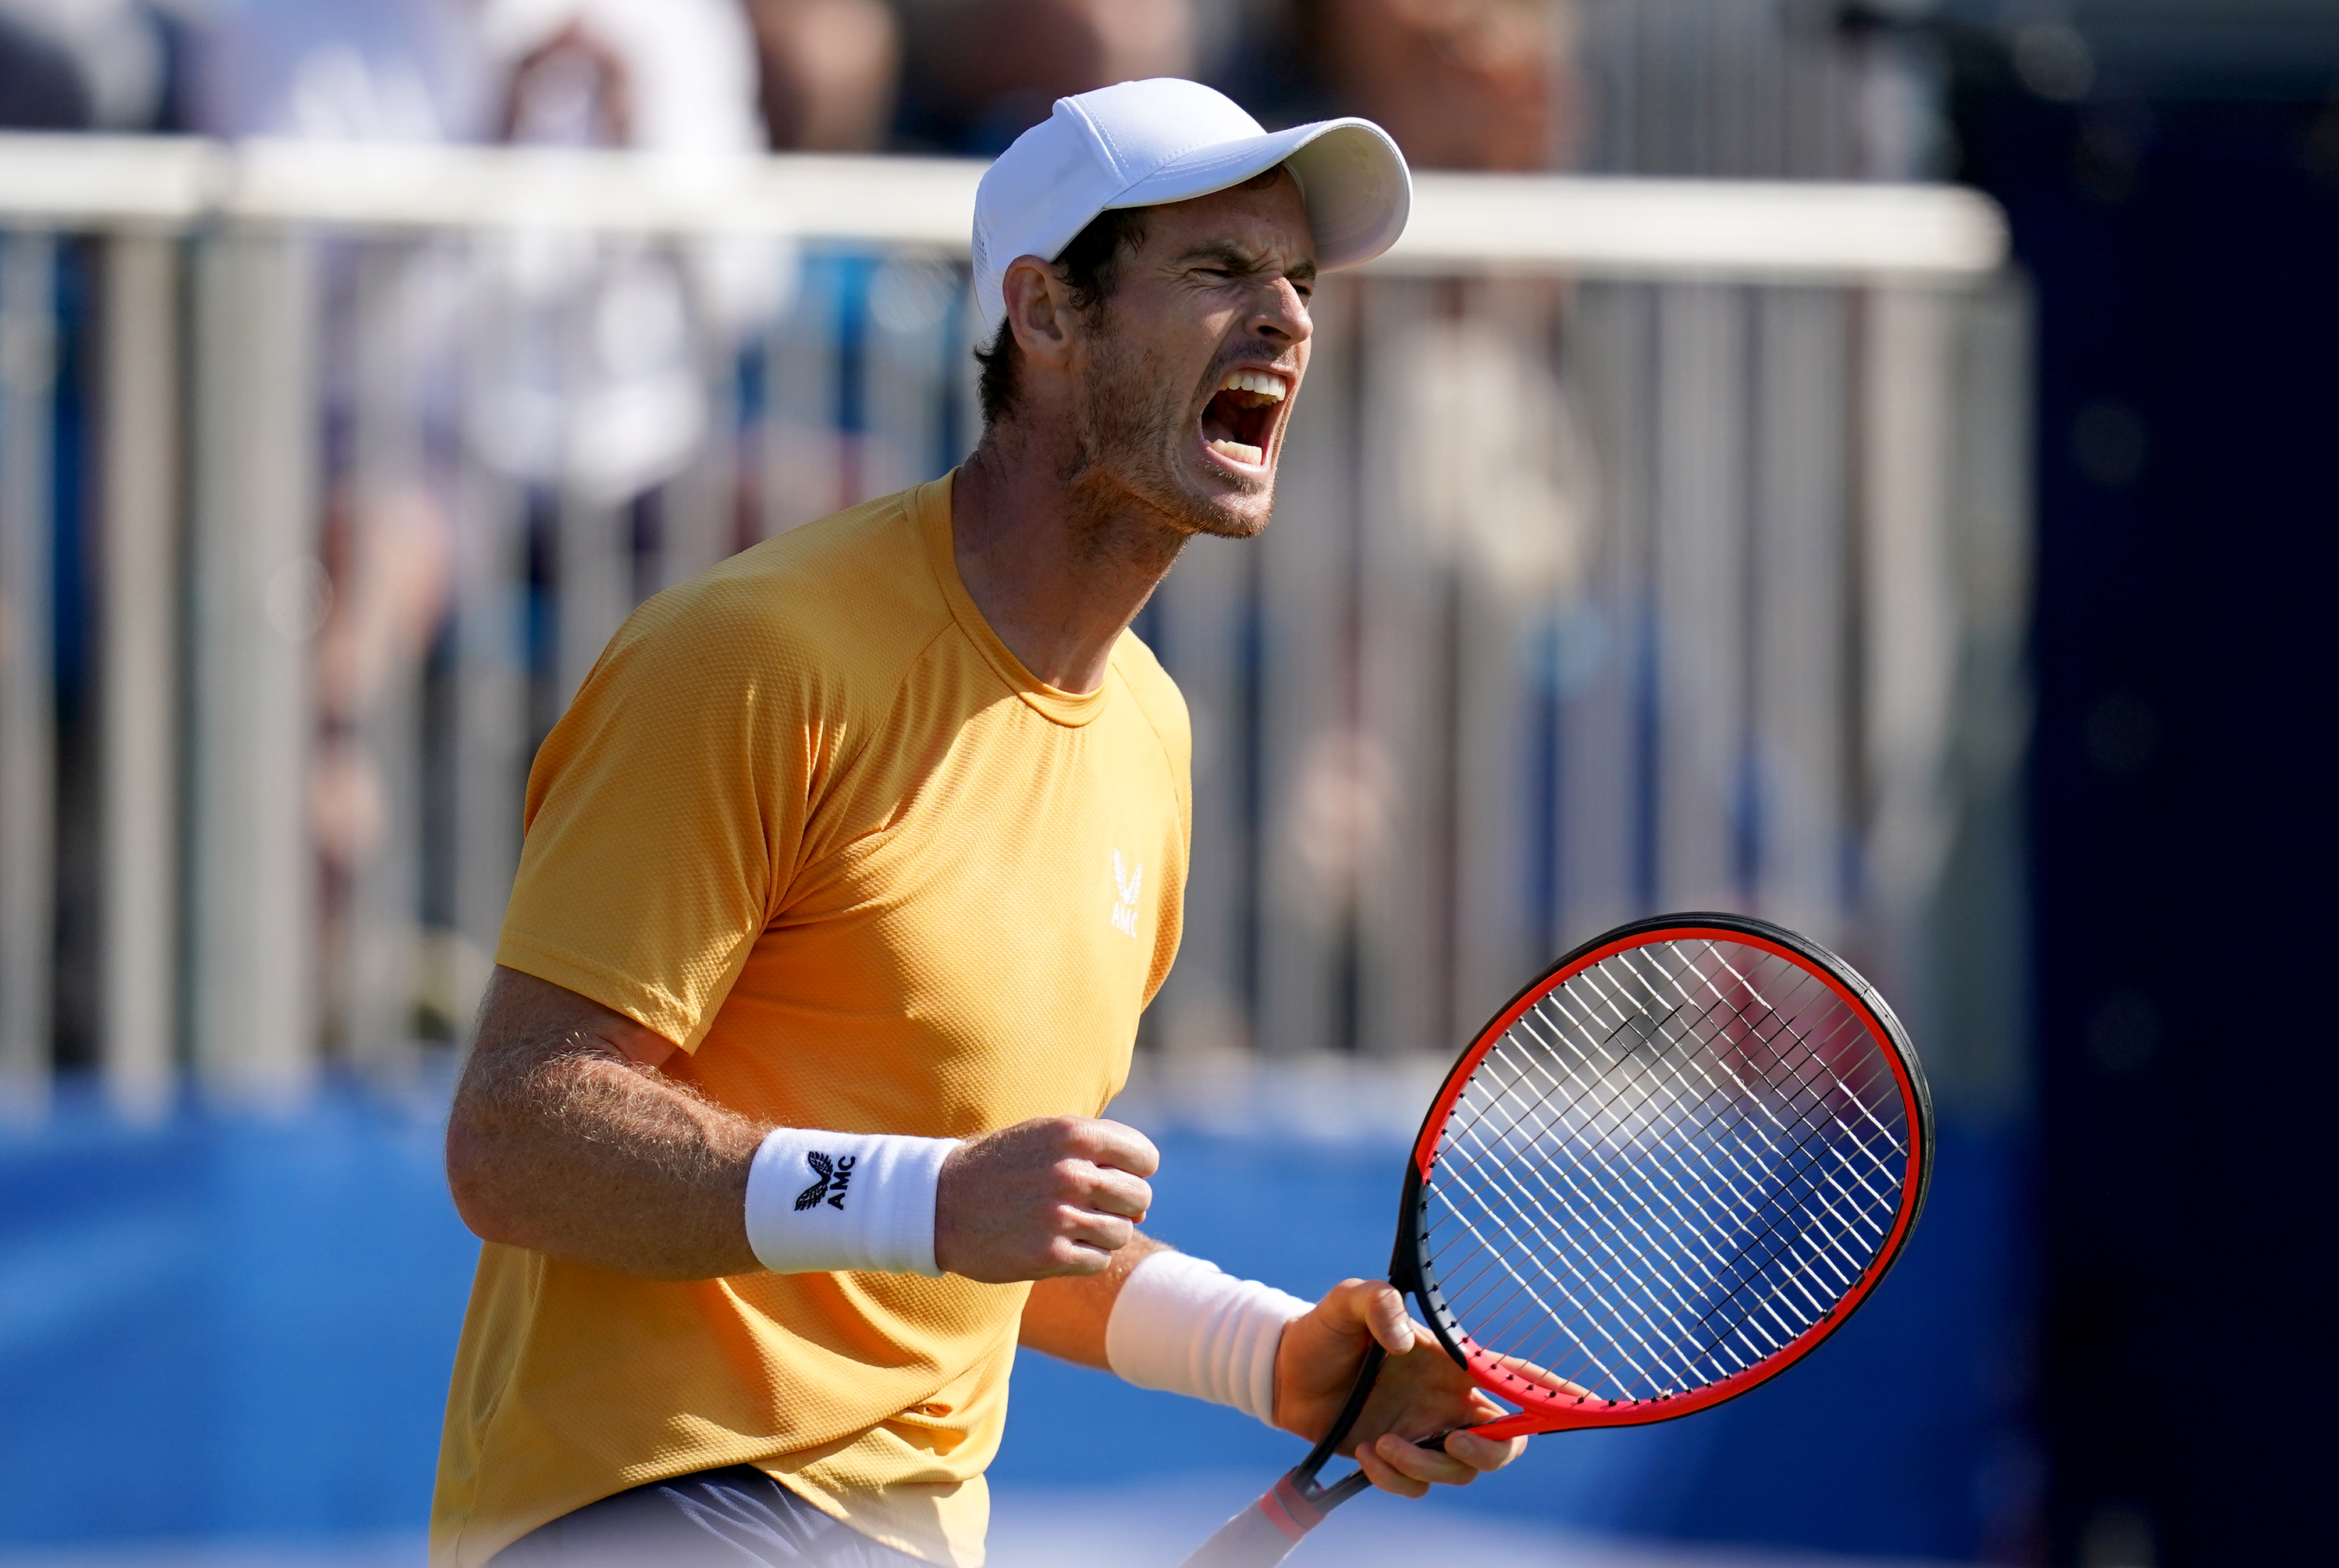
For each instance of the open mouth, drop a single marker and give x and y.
(1239, 421)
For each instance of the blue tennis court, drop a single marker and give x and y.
(226, 1340)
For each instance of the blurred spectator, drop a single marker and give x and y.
(1460, 84)
(338, 70)
(982, 72)
(40, 89)
(79, 64)
(604, 395)
(571, 88)
(828, 69)
(664, 75)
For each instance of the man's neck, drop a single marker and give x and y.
(1059, 570)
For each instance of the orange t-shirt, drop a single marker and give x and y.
(809, 819)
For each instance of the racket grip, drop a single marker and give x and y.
(1262, 1534)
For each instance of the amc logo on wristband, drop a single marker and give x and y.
(888, 1227)
(829, 1179)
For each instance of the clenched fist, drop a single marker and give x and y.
(1055, 1196)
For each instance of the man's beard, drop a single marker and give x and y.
(1130, 426)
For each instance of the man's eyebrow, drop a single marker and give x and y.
(1242, 259)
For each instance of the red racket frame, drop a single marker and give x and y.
(1261, 1535)
(1545, 1409)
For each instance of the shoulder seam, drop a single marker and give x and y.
(902, 682)
(908, 513)
(847, 762)
(1177, 787)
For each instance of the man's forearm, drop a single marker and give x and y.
(565, 1138)
(1067, 1316)
(560, 1142)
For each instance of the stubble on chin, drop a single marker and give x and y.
(1131, 421)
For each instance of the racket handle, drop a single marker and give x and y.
(1262, 1534)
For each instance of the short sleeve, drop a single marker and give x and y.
(664, 812)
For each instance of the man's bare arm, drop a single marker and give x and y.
(1066, 1317)
(564, 1138)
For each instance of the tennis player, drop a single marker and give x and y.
(847, 875)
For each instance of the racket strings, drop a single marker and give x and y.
(1684, 1273)
(1555, 1085)
(1641, 1356)
(1766, 1139)
(1574, 1200)
(1713, 1091)
(1672, 1273)
(1796, 1130)
(1675, 1292)
(1668, 1169)
(1879, 1075)
(1809, 983)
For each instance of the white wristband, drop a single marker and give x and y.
(822, 1202)
(1182, 1325)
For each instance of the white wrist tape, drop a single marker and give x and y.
(822, 1202)
(1182, 1325)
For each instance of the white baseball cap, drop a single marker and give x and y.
(1143, 143)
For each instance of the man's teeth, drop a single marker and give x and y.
(1259, 381)
(1239, 452)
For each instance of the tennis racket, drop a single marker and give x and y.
(1661, 1176)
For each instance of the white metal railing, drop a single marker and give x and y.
(1641, 543)
(1734, 229)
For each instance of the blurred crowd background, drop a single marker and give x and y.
(1971, 618)
(1512, 84)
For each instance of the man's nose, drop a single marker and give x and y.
(1282, 317)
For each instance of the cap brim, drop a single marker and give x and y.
(1350, 173)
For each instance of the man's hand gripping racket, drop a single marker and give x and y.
(1665, 1171)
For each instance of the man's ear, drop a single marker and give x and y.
(1039, 311)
